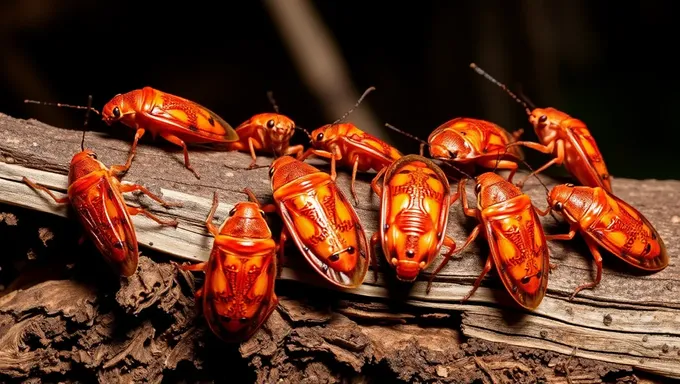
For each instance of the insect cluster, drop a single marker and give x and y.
(415, 199)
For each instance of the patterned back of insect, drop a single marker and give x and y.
(321, 221)
(414, 213)
(516, 238)
(612, 224)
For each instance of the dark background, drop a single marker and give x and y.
(611, 64)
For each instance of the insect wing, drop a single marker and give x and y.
(238, 293)
(104, 216)
(325, 220)
(374, 146)
(191, 118)
(519, 250)
(590, 169)
(625, 232)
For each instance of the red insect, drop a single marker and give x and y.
(566, 138)
(518, 248)
(175, 119)
(465, 140)
(608, 222)
(95, 193)
(323, 224)
(267, 132)
(238, 294)
(415, 198)
(346, 144)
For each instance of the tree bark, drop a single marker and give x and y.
(68, 323)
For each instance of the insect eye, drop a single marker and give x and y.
(478, 188)
(270, 124)
(116, 112)
(271, 172)
(570, 185)
(558, 206)
(542, 119)
(93, 155)
(232, 212)
(262, 213)
(319, 137)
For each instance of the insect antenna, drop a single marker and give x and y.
(501, 85)
(87, 120)
(524, 97)
(61, 105)
(270, 96)
(366, 92)
(547, 190)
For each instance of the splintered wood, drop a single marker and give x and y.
(631, 318)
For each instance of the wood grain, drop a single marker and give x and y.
(608, 323)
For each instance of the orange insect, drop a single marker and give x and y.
(95, 193)
(322, 223)
(566, 138)
(267, 132)
(175, 119)
(351, 147)
(518, 249)
(465, 140)
(238, 294)
(606, 221)
(415, 200)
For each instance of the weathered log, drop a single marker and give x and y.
(630, 321)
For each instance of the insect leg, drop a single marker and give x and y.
(209, 220)
(193, 267)
(354, 177)
(562, 236)
(58, 200)
(422, 149)
(133, 150)
(251, 146)
(516, 134)
(282, 244)
(138, 188)
(177, 141)
(558, 159)
(375, 185)
(598, 262)
(447, 257)
(295, 150)
(503, 164)
(478, 282)
(463, 200)
(374, 257)
(136, 211)
(335, 155)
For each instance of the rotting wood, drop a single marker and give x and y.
(626, 306)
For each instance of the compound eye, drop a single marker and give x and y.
(93, 155)
(543, 119)
(271, 124)
(319, 137)
(558, 207)
(570, 185)
(232, 212)
(478, 188)
(116, 112)
(262, 213)
(271, 172)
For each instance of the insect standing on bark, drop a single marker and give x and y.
(465, 140)
(238, 294)
(517, 243)
(95, 193)
(321, 221)
(353, 148)
(175, 119)
(415, 199)
(564, 137)
(605, 221)
(268, 133)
